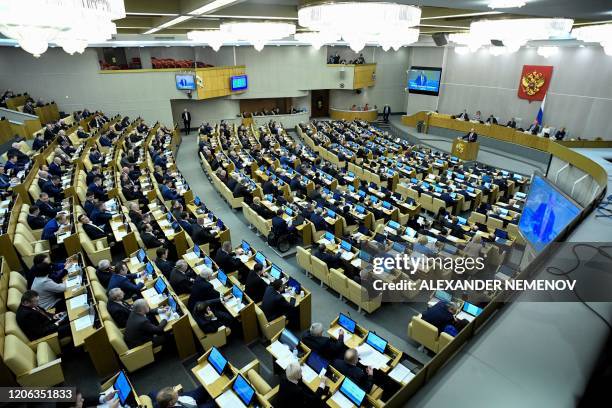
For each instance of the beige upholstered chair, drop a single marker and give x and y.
(40, 367)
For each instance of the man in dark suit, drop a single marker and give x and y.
(317, 219)
(92, 230)
(96, 188)
(326, 347)
(203, 235)
(440, 315)
(35, 322)
(53, 188)
(55, 168)
(202, 290)
(260, 209)
(186, 116)
(492, 120)
(560, 134)
(349, 368)
(139, 329)
(269, 187)
(511, 123)
(279, 225)
(149, 238)
(226, 259)
(120, 310)
(386, 112)
(534, 128)
(332, 261)
(274, 304)
(35, 219)
(255, 286)
(181, 278)
(471, 136)
(162, 262)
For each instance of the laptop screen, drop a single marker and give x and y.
(376, 341)
(141, 255)
(260, 258)
(196, 250)
(331, 214)
(292, 283)
(393, 224)
(149, 268)
(329, 236)
(316, 362)
(500, 233)
(242, 388)
(345, 245)
(289, 339)
(461, 220)
(386, 204)
(471, 309)
(197, 201)
(236, 292)
(352, 391)
(398, 247)
(288, 211)
(216, 359)
(374, 199)
(275, 272)
(208, 262)
(123, 387)
(222, 277)
(363, 255)
(346, 323)
(359, 209)
(172, 303)
(443, 295)
(160, 286)
(245, 246)
(269, 197)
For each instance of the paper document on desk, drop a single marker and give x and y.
(371, 357)
(279, 350)
(216, 284)
(134, 261)
(190, 256)
(149, 293)
(347, 335)
(341, 400)
(76, 281)
(78, 301)
(401, 374)
(244, 258)
(75, 267)
(308, 374)
(347, 256)
(285, 361)
(82, 323)
(208, 374)
(229, 399)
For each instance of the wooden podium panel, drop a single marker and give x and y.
(467, 151)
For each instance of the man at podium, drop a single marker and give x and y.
(471, 136)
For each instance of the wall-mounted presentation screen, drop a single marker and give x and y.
(546, 214)
(185, 82)
(238, 83)
(424, 80)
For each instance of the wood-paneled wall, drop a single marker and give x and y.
(365, 75)
(216, 81)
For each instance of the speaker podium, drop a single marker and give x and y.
(467, 151)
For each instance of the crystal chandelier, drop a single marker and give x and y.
(516, 32)
(471, 42)
(257, 33)
(71, 24)
(361, 22)
(601, 33)
(497, 4)
(214, 38)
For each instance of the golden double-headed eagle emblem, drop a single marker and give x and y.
(533, 82)
(460, 147)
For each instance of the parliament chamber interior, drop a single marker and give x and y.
(283, 203)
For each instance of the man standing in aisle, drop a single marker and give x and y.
(186, 120)
(386, 112)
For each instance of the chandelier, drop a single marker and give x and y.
(71, 24)
(317, 39)
(601, 33)
(516, 32)
(496, 4)
(257, 33)
(470, 42)
(214, 38)
(361, 22)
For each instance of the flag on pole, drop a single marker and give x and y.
(541, 111)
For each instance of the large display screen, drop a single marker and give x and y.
(238, 83)
(546, 214)
(424, 80)
(185, 82)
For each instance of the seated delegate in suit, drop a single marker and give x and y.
(53, 188)
(534, 128)
(210, 319)
(36, 220)
(35, 322)
(92, 230)
(492, 120)
(96, 188)
(471, 136)
(162, 262)
(150, 239)
(348, 367)
(274, 304)
(181, 278)
(255, 286)
(168, 397)
(50, 292)
(332, 260)
(53, 226)
(168, 192)
(104, 272)
(317, 219)
(55, 168)
(260, 209)
(511, 123)
(202, 290)
(326, 347)
(440, 315)
(120, 310)
(560, 134)
(139, 329)
(226, 259)
(292, 392)
(280, 226)
(123, 280)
